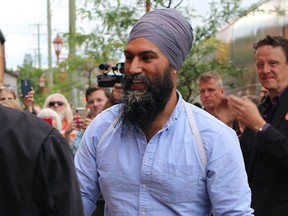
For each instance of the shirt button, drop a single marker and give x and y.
(143, 213)
(144, 185)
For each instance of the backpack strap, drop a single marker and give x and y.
(198, 139)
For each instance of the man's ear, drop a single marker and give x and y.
(222, 91)
(174, 76)
(175, 72)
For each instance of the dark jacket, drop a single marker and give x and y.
(266, 161)
(37, 175)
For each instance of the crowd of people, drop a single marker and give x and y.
(150, 152)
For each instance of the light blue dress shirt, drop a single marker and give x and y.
(163, 176)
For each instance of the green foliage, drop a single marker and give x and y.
(209, 53)
(113, 21)
(27, 71)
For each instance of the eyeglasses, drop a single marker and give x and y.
(52, 103)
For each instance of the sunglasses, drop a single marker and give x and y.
(52, 103)
(10, 88)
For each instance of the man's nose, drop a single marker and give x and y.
(135, 66)
(205, 93)
(95, 103)
(266, 68)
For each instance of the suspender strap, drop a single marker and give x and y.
(199, 144)
(108, 130)
(194, 128)
(198, 140)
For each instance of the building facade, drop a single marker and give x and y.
(6, 79)
(269, 19)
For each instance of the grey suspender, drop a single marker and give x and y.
(198, 140)
(194, 129)
(108, 130)
(195, 132)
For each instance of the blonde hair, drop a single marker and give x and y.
(48, 112)
(12, 104)
(8, 89)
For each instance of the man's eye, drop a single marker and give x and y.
(147, 58)
(211, 90)
(259, 65)
(128, 58)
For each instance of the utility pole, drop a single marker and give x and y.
(72, 48)
(50, 72)
(38, 46)
(39, 54)
(72, 27)
(148, 5)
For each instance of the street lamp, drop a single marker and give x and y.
(57, 46)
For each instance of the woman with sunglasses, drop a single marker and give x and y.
(59, 103)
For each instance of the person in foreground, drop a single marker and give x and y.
(142, 155)
(264, 142)
(37, 171)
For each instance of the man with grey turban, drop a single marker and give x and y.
(154, 153)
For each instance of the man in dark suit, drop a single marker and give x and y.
(264, 142)
(37, 171)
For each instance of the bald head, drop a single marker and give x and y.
(169, 31)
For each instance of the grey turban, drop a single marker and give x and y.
(169, 31)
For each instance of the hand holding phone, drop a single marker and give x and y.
(82, 112)
(25, 86)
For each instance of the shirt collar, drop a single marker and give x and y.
(275, 100)
(282, 92)
(179, 108)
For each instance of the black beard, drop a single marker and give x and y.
(143, 108)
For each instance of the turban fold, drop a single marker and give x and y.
(169, 31)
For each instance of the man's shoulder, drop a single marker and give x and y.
(108, 115)
(208, 125)
(21, 124)
(104, 119)
(203, 117)
(14, 116)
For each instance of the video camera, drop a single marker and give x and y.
(107, 79)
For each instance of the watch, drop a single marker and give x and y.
(260, 129)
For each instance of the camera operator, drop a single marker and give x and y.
(108, 78)
(111, 79)
(116, 95)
